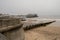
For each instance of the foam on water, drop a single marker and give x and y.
(57, 23)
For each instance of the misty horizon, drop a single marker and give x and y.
(40, 7)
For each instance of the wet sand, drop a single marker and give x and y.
(43, 33)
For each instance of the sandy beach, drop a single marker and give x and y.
(49, 32)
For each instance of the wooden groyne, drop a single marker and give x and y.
(11, 29)
(28, 26)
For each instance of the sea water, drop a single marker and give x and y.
(43, 19)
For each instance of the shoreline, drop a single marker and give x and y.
(43, 33)
(50, 32)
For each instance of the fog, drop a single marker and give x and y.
(41, 7)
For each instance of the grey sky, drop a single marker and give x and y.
(41, 7)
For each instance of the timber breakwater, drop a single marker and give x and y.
(31, 25)
(11, 29)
